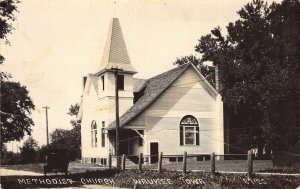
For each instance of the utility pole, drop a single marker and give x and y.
(116, 71)
(46, 109)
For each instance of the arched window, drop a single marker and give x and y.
(189, 131)
(94, 133)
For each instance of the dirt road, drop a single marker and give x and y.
(10, 172)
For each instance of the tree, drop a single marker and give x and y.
(60, 138)
(3, 148)
(259, 68)
(73, 110)
(29, 150)
(75, 134)
(207, 71)
(75, 131)
(68, 139)
(7, 10)
(16, 106)
(42, 153)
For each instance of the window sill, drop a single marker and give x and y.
(189, 145)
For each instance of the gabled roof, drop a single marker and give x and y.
(154, 87)
(115, 52)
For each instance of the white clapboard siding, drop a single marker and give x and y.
(99, 105)
(188, 95)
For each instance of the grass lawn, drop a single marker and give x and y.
(222, 165)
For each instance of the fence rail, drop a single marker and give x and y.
(212, 158)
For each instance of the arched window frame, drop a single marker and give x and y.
(189, 124)
(94, 133)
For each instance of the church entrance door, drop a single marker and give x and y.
(153, 152)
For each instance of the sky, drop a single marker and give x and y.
(56, 42)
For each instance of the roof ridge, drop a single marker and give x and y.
(148, 80)
(169, 70)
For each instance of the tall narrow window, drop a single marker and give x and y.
(120, 82)
(94, 133)
(102, 82)
(103, 134)
(189, 131)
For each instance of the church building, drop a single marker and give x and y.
(172, 112)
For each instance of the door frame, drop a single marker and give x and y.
(150, 150)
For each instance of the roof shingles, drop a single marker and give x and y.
(138, 84)
(115, 53)
(154, 87)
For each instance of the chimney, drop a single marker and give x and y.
(83, 81)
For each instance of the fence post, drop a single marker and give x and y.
(250, 165)
(123, 162)
(160, 161)
(213, 163)
(109, 161)
(140, 161)
(184, 163)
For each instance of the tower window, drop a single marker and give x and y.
(120, 82)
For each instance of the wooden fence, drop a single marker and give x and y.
(184, 161)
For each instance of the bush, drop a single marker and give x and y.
(282, 158)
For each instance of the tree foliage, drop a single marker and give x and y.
(7, 16)
(3, 151)
(207, 71)
(16, 106)
(29, 150)
(73, 110)
(7, 10)
(259, 70)
(68, 139)
(60, 138)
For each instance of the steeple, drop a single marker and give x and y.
(115, 52)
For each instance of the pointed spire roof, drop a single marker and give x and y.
(115, 52)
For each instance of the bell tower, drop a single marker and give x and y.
(115, 56)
